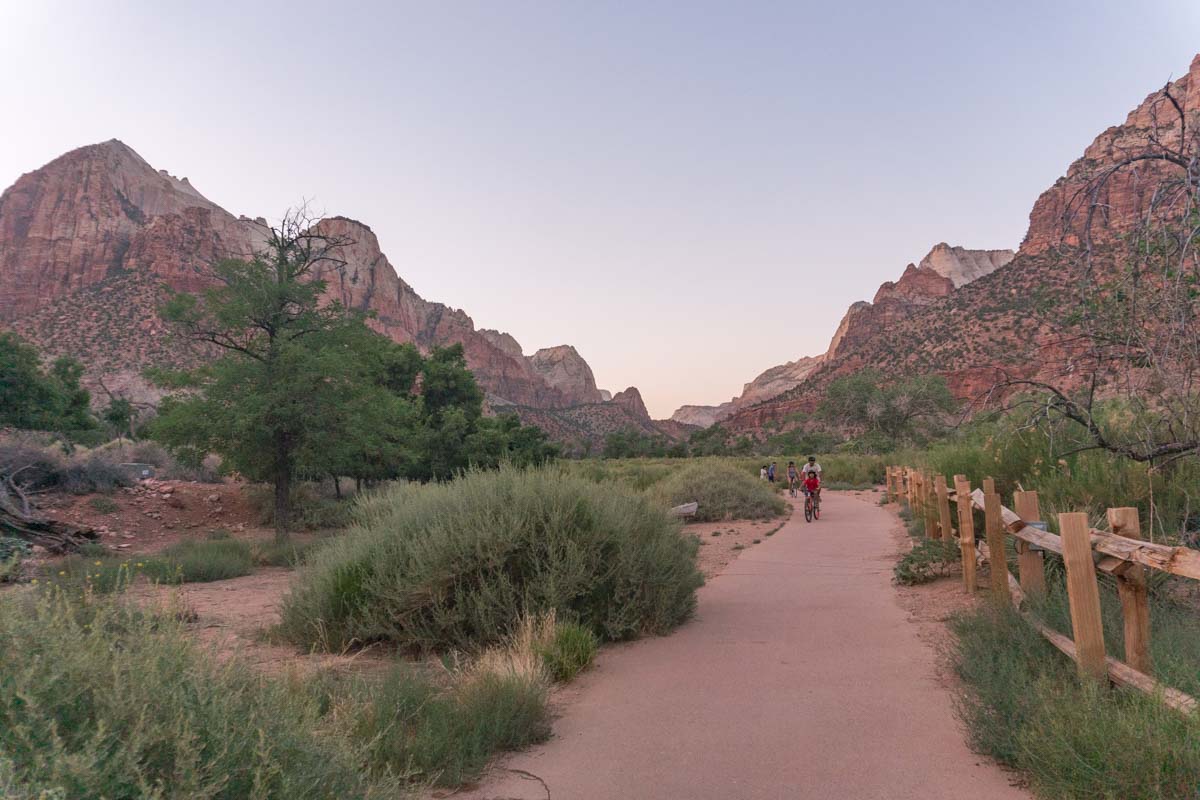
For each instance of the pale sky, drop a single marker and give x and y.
(688, 192)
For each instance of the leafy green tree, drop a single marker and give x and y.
(886, 413)
(119, 413)
(288, 360)
(35, 398)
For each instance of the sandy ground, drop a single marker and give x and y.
(722, 542)
(799, 678)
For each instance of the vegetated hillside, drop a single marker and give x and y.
(1013, 321)
(88, 239)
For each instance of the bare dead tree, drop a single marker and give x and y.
(1134, 337)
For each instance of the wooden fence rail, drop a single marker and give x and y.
(1086, 551)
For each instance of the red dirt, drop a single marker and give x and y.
(154, 514)
(798, 679)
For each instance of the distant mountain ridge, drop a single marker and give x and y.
(977, 316)
(88, 242)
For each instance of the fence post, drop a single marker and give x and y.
(1084, 595)
(966, 530)
(1030, 565)
(943, 501)
(1131, 586)
(928, 507)
(995, 540)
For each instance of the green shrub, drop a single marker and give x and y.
(722, 491)
(103, 505)
(200, 561)
(283, 554)
(312, 509)
(569, 651)
(99, 701)
(927, 560)
(459, 564)
(409, 725)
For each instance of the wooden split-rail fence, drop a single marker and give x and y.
(1120, 552)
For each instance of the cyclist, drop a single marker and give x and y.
(793, 478)
(812, 485)
(812, 466)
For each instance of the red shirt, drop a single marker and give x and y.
(812, 482)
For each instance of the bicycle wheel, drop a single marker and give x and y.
(808, 509)
(817, 510)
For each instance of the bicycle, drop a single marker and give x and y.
(812, 505)
(792, 483)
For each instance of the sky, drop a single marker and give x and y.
(688, 192)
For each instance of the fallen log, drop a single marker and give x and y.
(55, 536)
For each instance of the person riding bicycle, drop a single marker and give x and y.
(812, 485)
(793, 477)
(811, 467)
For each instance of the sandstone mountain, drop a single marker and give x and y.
(89, 243)
(564, 369)
(975, 316)
(773, 382)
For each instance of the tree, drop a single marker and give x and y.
(119, 413)
(282, 369)
(887, 412)
(34, 398)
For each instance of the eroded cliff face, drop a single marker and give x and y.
(564, 369)
(1060, 215)
(100, 214)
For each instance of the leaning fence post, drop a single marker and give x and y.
(943, 502)
(1131, 586)
(1030, 565)
(966, 530)
(995, 539)
(1083, 593)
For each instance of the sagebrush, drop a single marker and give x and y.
(459, 565)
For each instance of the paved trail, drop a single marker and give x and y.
(799, 678)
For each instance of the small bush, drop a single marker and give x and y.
(312, 510)
(722, 491)
(928, 559)
(98, 700)
(95, 472)
(283, 554)
(201, 561)
(409, 725)
(104, 505)
(569, 651)
(458, 565)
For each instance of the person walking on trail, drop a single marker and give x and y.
(762, 473)
(771, 472)
(793, 478)
(812, 466)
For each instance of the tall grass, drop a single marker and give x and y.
(458, 565)
(98, 700)
(722, 492)
(1091, 482)
(1024, 705)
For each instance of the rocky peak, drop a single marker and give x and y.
(961, 265)
(1059, 216)
(631, 399)
(504, 342)
(101, 212)
(563, 368)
